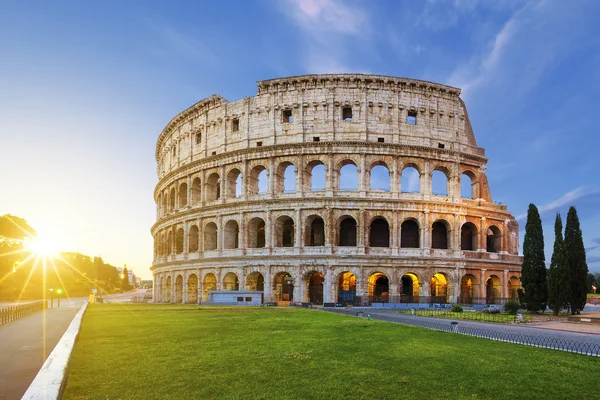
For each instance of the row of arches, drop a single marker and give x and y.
(315, 234)
(346, 287)
(347, 177)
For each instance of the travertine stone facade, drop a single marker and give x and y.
(239, 204)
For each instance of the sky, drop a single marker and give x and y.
(87, 87)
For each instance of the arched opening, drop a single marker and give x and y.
(514, 284)
(258, 180)
(170, 242)
(284, 232)
(439, 288)
(379, 233)
(410, 180)
(230, 282)
(172, 200)
(233, 185)
(316, 175)
(409, 291)
(439, 235)
(348, 176)
(193, 239)
(213, 187)
(183, 195)
(347, 232)
(232, 233)
(283, 287)
(163, 244)
(493, 239)
(196, 191)
(179, 241)
(492, 290)
(468, 288)
(439, 183)
(468, 237)
(210, 283)
(165, 204)
(467, 185)
(192, 289)
(409, 234)
(379, 288)
(314, 282)
(379, 178)
(255, 281)
(286, 178)
(159, 204)
(167, 293)
(179, 289)
(210, 236)
(315, 231)
(256, 233)
(346, 288)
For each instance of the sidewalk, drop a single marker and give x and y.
(24, 346)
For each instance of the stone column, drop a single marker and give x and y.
(271, 177)
(268, 289)
(222, 184)
(268, 232)
(189, 191)
(482, 235)
(327, 286)
(298, 242)
(362, 184)
(482, 294)
(504, 284)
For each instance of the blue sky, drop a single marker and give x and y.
(86, 88)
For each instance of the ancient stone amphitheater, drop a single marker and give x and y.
(319, 189)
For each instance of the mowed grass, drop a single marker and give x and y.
(192, 352)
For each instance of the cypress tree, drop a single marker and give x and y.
(533, 271)
(577, 263)
(559, 276)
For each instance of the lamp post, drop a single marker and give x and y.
(58, 293)
(51, 298)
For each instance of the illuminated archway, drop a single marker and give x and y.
(230, 282)
(210, 283)
(379, 288)
(409, 290)
(283, 287)
(439, 288)
(192, 288)
(468, 289)
(314, 283)
(346, 289)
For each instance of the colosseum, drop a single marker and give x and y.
(350, 188)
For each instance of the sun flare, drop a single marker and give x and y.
(42, 246)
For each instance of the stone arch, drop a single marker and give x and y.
(315, 176)
(410, 234)
(379, 232)
(255, 281)
(193, 239)
(213, 187)
(493, 237)
(183, 192)
(165, 204)
(258, 181)
(285, 181)
(346, 287)
(468, 185)
(233, 184)
(411, 179)
(179, 241)
(513, 237)
(192, 294)
(179, 289)
(468, 289)
(493, 289)
(379, 287)
(379, 176)
(210, 236)
(347, 231)
(256, 233)
(284, 232)
(314, 231)
(314, 284)
(170, 242)
(409, 288)
(196, 191)
(167, 292)
(232, 234)
(439, 288)
(439, 181)
(514, 284)
(440, 234)
(283, 286)
(231, 282)
(172, 200)
(469, 239)
(210, 283)
(347, 178)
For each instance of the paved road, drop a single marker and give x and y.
(25, 344)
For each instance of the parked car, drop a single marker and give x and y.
(491, 309)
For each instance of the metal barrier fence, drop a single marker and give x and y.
(10, 313)
(350, 298)
(465, 315)
(571, 346)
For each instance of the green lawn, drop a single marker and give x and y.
(191, 352)
(468, 315)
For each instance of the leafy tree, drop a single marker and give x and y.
(533, 273)
(15, 228)
(559, 277)
(577, 262)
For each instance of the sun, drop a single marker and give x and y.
(42, 246)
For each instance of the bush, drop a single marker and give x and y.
(456, 308)
(511, 307)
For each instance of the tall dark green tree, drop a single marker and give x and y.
(577, 262)
(559, 276)
(533, 273)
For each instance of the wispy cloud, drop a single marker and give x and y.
(567, 198)
(596, 245)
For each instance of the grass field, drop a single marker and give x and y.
(192, 352)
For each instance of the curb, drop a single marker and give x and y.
(50, 381)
